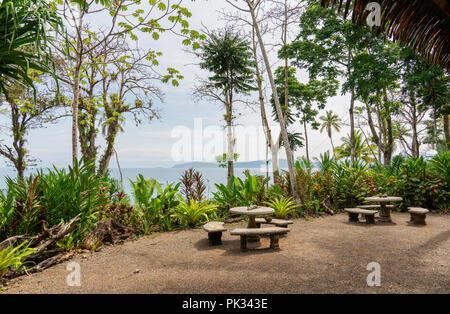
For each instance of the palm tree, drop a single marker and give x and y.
(230, 60)
(330, 122)
(325, 162)
(363, 149)
(296, 140)
(436, 96)
(23, 40)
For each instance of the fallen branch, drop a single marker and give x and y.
(8, 242)
(61, 231)
(42, 265)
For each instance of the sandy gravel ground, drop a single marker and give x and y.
(324, 255)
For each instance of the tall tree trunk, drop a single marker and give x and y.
(230, 139)
(87, 133)
(390, 142)
(435, 137)
(447, 130)
(332, 144)
(19, 129)
(76, 87)
(113, 128)
(389, 147)
(306, 140)
(265, 123)
(277, 103)
(415, 135)
(275, 167)
(352, 128)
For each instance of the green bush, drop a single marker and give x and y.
(53, 196)
(251, 191)
(154, 203)
(284, 207)
(351, 184)
(12, 257)
(193, 212)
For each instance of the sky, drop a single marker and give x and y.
(158, 144)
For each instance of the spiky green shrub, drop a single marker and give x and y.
(12, 257)
(53, 196)
(193, 212)
(284, 207)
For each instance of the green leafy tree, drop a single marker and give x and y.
(24, 112)
(435, 96)
(304, 100)
(422, 91)
(119, 82)
(325, 46)
(128, 18)
(229, 59)
(375, 77)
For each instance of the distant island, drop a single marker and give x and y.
(245, 164)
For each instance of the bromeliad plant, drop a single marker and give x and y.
(12, 257)
(193, 212)
(284, 207)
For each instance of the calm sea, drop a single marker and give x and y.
(162, 175)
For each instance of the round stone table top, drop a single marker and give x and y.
(383, 199)
(252, 210)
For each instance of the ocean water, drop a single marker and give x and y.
(162, 175)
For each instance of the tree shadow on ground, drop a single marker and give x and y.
(232, 247)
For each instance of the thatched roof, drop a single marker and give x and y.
(423, 25)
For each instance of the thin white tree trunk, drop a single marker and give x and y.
(230, 138)
(277, 104)
(76, 87)
(268, 132)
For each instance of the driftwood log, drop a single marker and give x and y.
(46, 252)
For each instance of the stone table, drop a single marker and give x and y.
(385, 212)
(252, 212)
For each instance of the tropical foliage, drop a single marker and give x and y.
(24, 40)
(11, 258)
(284, 207)
(192, 213)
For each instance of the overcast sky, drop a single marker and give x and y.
(151, 145)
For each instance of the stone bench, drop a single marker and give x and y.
(353, 214)
(374, 206)
(214, 229)
(418, 215)
(282, 223)
(274, 233)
